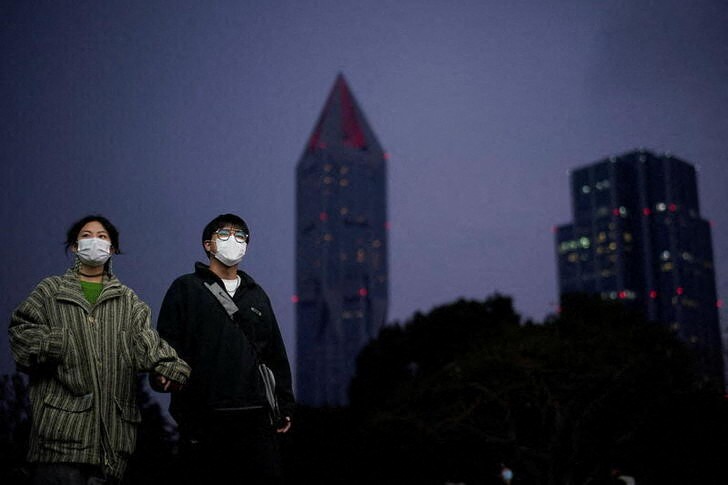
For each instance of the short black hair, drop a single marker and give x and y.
(75, 229)
(221, 221)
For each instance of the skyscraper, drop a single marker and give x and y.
(638, 237)
(341, 249)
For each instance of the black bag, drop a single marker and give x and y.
(269, 381)
(266, 373)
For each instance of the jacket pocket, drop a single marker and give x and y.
(66, 422)
(127, 420)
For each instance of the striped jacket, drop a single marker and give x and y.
(83, 360)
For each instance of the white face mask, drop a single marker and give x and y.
(93, 251)
(230, 252)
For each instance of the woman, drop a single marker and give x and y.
(82, 337)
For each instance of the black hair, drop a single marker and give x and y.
(221, 221)
(75, 229)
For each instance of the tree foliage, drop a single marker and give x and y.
(451, 394)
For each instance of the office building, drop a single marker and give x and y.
(341, 249)
(638, 236)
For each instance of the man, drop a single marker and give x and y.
(222, 323)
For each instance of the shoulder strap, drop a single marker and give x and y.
(230, 307)
(223, 297)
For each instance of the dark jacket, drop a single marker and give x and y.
(83, 359)
(223, 359)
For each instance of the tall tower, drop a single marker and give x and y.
(341, 249)
(638, 237)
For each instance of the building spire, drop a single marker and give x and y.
(342, 124)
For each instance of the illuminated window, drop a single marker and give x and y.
(328, 180)
(602, 236)
(328, 237)
(666, 267)
(584, 242)
(344, 182)
(343, 211)
(376, 243)
(627, 236)
(360, 256)
(612, 246)
(585, 189)
(328, 167)
(661, 207)
(665, 255)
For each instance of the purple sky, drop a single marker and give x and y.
(163, 114)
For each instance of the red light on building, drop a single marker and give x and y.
(622, 295)
(719, 303)
(363, 292)
(387, 225)
(615, 212)
(646, 211)
(295, 299)
(653, 294)
(680, 290)
(386, 155)
(672, 207)
(323, 216)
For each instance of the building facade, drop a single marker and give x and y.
(341, 249)
(638, 236)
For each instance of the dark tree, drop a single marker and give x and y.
(14, 429)
(449, 395)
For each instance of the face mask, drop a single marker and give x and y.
(93, 251)
(230, 252)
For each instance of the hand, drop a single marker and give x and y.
(285, 426)
(161, 383)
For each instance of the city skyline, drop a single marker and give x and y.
(161, 115)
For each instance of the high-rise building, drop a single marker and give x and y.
(638, 237)
(341, 249)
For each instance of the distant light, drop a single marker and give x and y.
(363, 292)
(653, 294)
(672, 207)
(680, 290)
(719, 303)
(323, 216)
(386, 155)
(615, 212)
(295, 299)
(646, 211)
(622, 295)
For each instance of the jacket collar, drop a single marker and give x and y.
(70, 289)
(204, 272)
